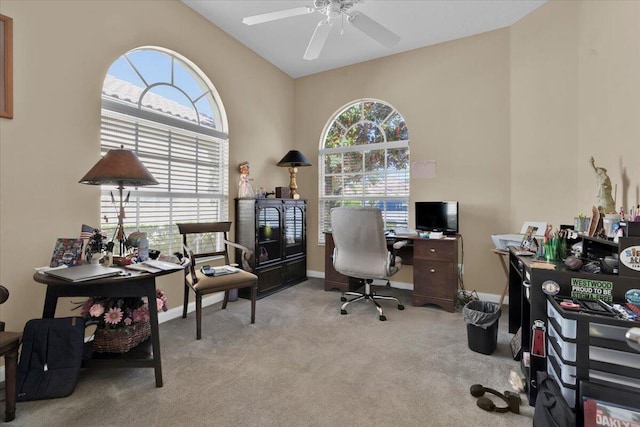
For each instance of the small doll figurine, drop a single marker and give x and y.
(245, 189)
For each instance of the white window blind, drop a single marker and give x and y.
(364, 158)
(191, 169)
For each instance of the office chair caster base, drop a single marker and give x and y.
(382, 318)
(343, 311)
(400, 307)
(343, 299)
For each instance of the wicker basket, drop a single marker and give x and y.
(120, 340)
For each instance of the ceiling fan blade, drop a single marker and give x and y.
(374, 30)
(279, 14)
(318, 40)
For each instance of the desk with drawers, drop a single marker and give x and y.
(435, 270)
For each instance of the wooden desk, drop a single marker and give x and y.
(334, 280)
(137, 284)
(9, 343)
(435, 270)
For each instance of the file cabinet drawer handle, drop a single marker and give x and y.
(433, 270)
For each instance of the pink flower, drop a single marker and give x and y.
(141, 314)
(96, 310)
(159, 304)
(127, 321)
(86, 307)
(113, 316)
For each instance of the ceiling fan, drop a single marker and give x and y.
(333, 10)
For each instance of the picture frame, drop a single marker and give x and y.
(67, 251)
(6, 67)
(527, 239)
(516, 345)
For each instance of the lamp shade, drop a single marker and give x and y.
(119, 167)
(294, 158)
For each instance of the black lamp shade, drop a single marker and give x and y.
(294, 158)
(119, 167)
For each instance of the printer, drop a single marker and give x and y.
(503, 241)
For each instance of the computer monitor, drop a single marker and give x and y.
(437, 216)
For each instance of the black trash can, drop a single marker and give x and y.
(481, 318)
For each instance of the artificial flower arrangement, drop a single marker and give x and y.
(117, 312)
(122, 323)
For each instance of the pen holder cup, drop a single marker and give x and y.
(581, 224)
(608, 223)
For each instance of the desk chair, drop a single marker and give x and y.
(206, 239)
(361, 253)
(9, 343)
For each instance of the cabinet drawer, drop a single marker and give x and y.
(437, 250)
(269, 278)
(566, 349)
(566, 327)
(296, 271)
(434, 279)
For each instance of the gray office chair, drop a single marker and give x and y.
(361, 253)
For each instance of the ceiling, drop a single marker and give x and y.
(418, 23)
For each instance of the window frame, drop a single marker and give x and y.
(363, 199)
(179, 132)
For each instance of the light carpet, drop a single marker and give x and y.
(300, 364)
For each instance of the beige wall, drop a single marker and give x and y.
(62, 51)
(511, 117)
(455, 100)
(575, 93)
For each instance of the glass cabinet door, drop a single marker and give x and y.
(294, 230)
(269, 236)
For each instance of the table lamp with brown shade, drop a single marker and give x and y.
(293, 159)
(119, 167)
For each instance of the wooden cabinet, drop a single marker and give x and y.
(275, 230)
(435, 272)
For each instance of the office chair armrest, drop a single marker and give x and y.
(400, 244)
(246, 254)
(397, 246)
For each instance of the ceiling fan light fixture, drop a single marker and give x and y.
(334, 10)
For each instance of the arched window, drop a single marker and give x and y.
(364, 153)
(160, 105)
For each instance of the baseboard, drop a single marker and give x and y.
(176, 312)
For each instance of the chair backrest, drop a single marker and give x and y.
(360, 244)
(212, 235)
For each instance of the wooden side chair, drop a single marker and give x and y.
(207, 241)
(9, 343)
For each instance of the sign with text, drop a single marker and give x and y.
(592, 289)
(629, 256)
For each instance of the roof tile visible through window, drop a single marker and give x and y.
(125, 91)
